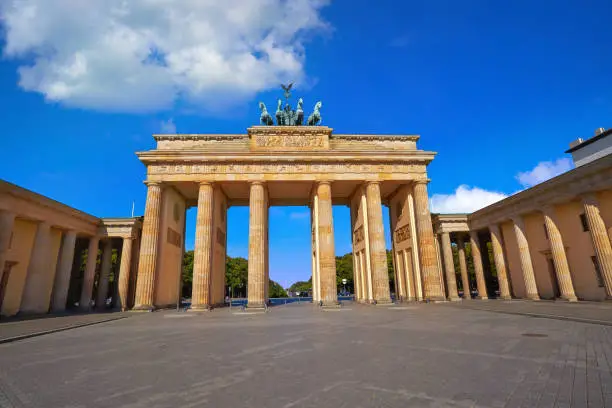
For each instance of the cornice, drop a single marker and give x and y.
(594, 176)
(191, 156)
(373, 138)
(46, 202)
(205, 137)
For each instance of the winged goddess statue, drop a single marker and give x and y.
(287, 89)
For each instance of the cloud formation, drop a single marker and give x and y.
(544, 171)
(168, 126)
(465, 199)
(299, 215)
(142, 55)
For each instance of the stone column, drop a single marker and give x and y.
(500, 262)
(465, 278)
(257, 247)
(90, 273)
(525, 257)
(203, 252)
(64, 270)
(601, 240)
(31, 301)
(408, 274)
(399, 276)
(449, 267)
(432, 284)
(564, 277)
(105, 268)
(7, 221)
(124, 273)
(481, 285)
(147, 266)
(363, 270)
(378, 247)
(327, 256)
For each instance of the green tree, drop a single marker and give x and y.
(302, 286)
(390, 270)
(275, 290)
(344, 270)
(236, 275)
(187, 273)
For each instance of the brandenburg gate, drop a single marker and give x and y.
(282, 165)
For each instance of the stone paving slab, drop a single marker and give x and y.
(17, 329)
(302, 357)
(586, 312)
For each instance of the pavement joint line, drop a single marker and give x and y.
(547, 316)
(247, 313)
(337, 310)
(59, 329)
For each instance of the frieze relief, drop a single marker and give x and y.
(310, 141)
(402, 234)
(358, 235)
(276, 168)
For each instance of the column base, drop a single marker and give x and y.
(199, 308)
(331, 305)
(572, 299)
(454, 299)
(383, 301)
(258, 305)
(143, 308)
(505, 297)
(533, 297)
(435, 299)
(481, 298)
(466, 298)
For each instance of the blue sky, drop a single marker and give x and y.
(498, 89)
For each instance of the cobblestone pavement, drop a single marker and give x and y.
(588, 312)
(13, 329)
(297, 356)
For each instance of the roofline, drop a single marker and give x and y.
(589, 141)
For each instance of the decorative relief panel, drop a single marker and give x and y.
(174, 238)
(358, 235)
(308, 141)
(289, 137)
(220, 237)
(402, 234)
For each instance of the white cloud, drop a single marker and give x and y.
(142, 55)
(544, 171)
(168, 126)
(465, 199)
(299, 215)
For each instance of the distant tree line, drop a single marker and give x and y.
(344, 270)
(236, 275)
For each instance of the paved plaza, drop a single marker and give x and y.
(421, 355)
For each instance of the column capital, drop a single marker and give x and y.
(370, 182)
(493, 228)
(421, 181)
(149, 183)
(257, 183)
(517, 219)
(589, 198)
(324, 182)
(206, 183)
(548, 209)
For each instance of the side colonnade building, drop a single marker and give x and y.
(552, 241)
(44, 254)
